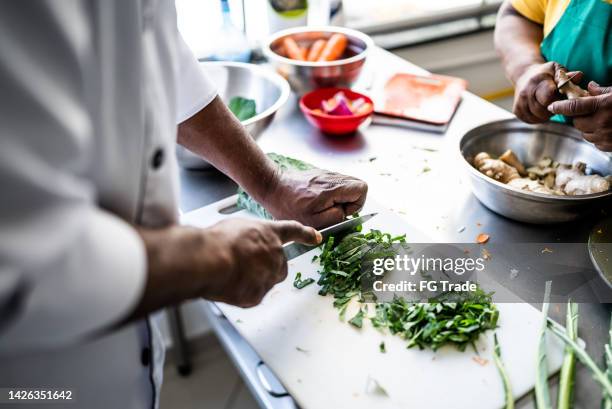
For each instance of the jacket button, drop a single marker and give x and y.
(158, 158)
(145, 356)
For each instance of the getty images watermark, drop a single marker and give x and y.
(513, 272)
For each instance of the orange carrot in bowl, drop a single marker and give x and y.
(293, 50)
(334, 48)
(315, 50)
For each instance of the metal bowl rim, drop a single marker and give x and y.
(275, 78)
(518, 192)
(270, 54)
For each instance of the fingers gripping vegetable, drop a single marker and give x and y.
(318, 198)
(284, 164)
(568, 87)
(535, 90)
(591, 114)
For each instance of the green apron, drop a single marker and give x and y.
(582, 41)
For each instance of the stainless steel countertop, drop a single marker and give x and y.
(437, 200)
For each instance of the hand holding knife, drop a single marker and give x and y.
(293, 249)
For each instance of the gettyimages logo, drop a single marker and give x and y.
(512, 272)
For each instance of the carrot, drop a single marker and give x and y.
(315, 50)
(293, 50)
(334, 48)
(482, 238)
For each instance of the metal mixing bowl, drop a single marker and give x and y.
(269, 90)
(304, 76)
(531, 143)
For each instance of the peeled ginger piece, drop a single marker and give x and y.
(495, 168)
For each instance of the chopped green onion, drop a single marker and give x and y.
(542, 394)
(568, 369)
(600, 377)
(508, 395)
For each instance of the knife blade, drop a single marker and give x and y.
(564, 82)
(293, 249)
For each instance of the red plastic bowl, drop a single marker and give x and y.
(333, 124)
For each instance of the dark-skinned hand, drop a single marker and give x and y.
(246, 257)
(536, 89)
(316, 197)
(592, 115)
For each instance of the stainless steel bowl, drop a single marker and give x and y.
(269, 90)
(304, 76)
(531, 143)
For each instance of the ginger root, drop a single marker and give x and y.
(569, 89)
(573, 181)
(548, 176)
(510, 158)
(495, 168)
(531, 185)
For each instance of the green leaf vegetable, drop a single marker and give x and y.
(357, 320)
(452, 318)
(284, 163)
(299, 283)
(243, 108)
(542, 394)
(508, 395)
(382, 348)
(566, 379)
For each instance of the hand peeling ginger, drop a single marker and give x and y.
(495, 168)
(546, 177)
(569, 89)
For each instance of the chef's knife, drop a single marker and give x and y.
(293, 249)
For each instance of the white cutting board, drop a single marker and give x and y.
(325, 363)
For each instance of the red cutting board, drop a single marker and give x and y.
(432, 99)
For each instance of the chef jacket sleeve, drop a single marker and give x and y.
(534, 10)
(194, 89)
(68, 268)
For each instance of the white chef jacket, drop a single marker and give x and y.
(90, 95)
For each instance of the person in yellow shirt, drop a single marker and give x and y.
(536, 38)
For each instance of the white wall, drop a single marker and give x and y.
(471, 57)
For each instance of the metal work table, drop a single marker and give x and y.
(426, 187)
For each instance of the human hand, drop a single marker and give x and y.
(592, 115)
(246, 258)
(536, 89)
(316, 197)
